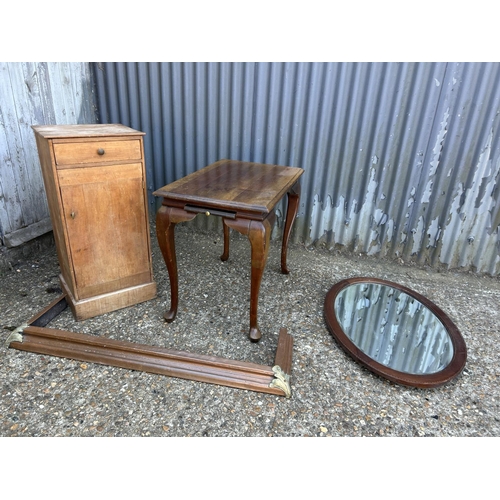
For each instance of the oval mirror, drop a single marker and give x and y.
(395, 332)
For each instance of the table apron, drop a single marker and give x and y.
(210, 211)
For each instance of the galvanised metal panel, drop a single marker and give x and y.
(34, 94)
(460, 186)
(401, 160)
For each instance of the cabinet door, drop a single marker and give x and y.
(105, 215)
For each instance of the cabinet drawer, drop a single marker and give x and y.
(74, 153)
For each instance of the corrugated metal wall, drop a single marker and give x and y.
(34, 94)
(402, 160)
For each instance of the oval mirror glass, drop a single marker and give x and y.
(395, 332)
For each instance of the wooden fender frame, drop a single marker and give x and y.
(36, 337)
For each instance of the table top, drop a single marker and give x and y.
(233, 185)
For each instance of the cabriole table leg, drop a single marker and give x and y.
(293, 197)
(259, 234)
(225, 254)
(166, 218)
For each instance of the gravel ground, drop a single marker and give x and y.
(331, 394)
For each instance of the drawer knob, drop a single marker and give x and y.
(100, 151)
(73, 215)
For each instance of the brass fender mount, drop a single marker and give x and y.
(36, 337)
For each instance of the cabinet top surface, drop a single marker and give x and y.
(90, 130)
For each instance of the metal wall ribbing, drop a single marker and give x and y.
(402, 160)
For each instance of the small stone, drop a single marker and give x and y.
(323, 429)
(83, 366)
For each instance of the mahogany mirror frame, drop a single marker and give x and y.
(424, 381)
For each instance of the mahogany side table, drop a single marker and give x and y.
(244, 194)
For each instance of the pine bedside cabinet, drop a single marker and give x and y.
(94, 177)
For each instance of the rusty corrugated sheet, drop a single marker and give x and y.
(401, 160)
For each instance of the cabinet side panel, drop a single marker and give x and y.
(146, 212)
(54, 203)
